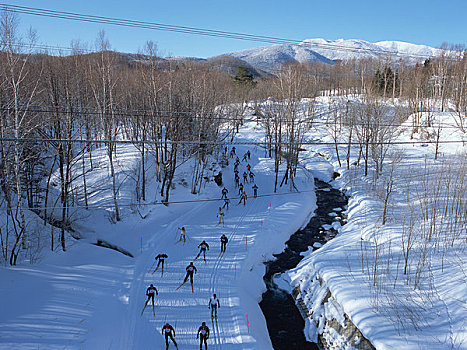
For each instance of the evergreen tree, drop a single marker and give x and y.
(244, 77)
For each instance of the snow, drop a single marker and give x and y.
(270, 58)
(395, 315)
(91, 297)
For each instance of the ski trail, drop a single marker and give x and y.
(184, 309)
(141, 280)
(214, 281)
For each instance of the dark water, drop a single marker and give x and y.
(284, 322)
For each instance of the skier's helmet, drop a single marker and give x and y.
(203, 324)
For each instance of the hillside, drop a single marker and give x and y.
(269, 58)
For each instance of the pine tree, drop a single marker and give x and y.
(244, 77)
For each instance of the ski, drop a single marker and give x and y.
(143, 309)
(155, 269)
(180, 286)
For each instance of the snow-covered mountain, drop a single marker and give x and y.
(269, 58)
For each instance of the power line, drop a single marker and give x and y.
(108, 206)
(223, 143)
(194, 30)
(215, 115)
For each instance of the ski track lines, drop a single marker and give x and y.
(182, 308)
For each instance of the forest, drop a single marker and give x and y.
(57, 109)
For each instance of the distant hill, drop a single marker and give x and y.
(270, 58)
(227, 63)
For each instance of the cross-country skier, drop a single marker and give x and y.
(237, 180)
(252, 177)
(240, 188)
(226, 203)
(190, 270)
(255, 190)
(213, 304)
(182, 235)
(244, 157)
(224, 193)
(203, 331)
(161, 258)
(220, 215)
(243, 198)
(224, 241)
(248, 154)
(150, 294)
(203, 246)
(248, 167)
(169, 332)
(245, 177)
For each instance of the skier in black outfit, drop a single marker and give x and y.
(240, 188)
(161, 258)
(167, 331)
(203, 330)
(224, 241)
(226, 203)
(255, 190)
(190, 269)
(150, 294)
(224, 193)
(203, 246)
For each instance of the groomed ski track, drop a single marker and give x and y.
(231, 275)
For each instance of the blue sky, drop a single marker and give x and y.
(429, 22)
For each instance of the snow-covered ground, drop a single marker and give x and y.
(363, 267)
(91, 297)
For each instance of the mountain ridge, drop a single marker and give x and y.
(270, 58)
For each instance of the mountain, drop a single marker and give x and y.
(270, 58)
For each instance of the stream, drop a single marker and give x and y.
(284, 322)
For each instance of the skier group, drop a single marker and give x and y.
(167, 330)
(248, 178)
(203, 332)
